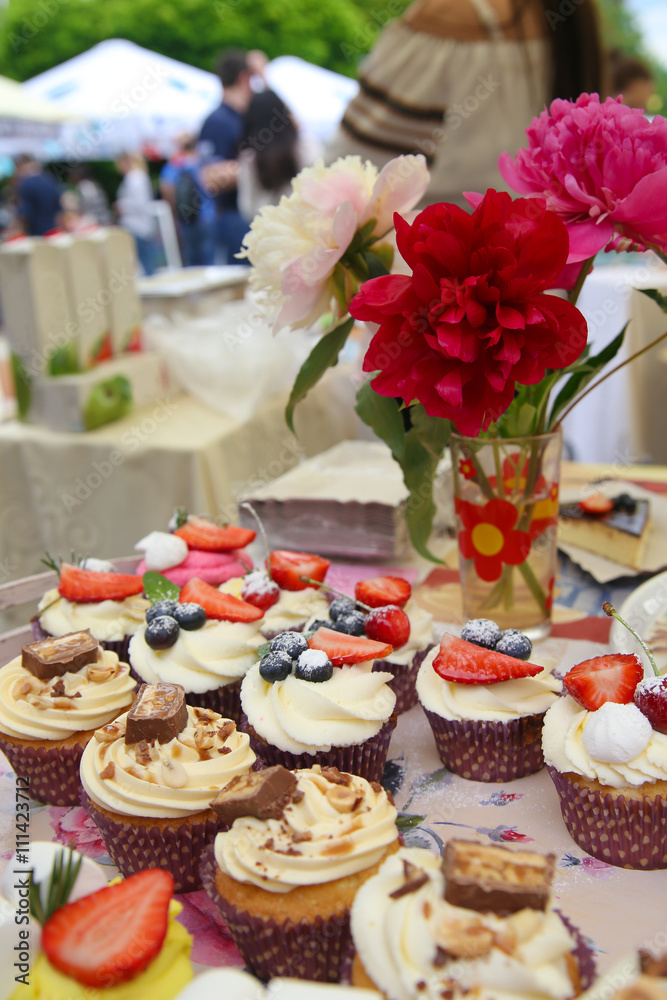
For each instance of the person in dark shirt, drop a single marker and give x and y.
(218, 145)
(39, 195)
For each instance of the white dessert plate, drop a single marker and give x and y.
(646, 610)
(655, 551)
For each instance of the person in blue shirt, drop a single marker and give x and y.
(194, 209)
(39, 194)
(218, 146)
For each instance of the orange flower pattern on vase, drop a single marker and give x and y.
(489, 537)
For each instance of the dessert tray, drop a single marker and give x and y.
(646, 610)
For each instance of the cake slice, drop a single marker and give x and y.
(619, 534)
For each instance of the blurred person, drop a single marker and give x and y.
(39, 197)
(630, 79)
(93, 202)
(170, 169)
(272, 152)
(194, 209)
(133, 207)
(461, 80)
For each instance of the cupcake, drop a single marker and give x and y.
(148, 779)
(108, 603)
(299, 845)
(234, 984)
(206, 642)
(485, 709)
(606, 752)
(479, 922)
(636, 977)
(197, 547)
(320, 701)
(52, 698)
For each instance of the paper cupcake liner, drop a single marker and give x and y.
(627, 833)
(134, 846)
(366, 759)
(404, 683)
(53, 774)
(120, 647)
(489, 751)
(226, 701)
(310, 949)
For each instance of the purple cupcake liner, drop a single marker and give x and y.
(310, 949)
(120, 647)
(627, 833)
(226, 701)
(366, 759)
(489, 751)
(404, 683)
(134, 846)
(53, 774)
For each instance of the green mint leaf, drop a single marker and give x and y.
(158, 588)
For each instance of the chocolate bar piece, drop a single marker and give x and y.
(158, 713)
(489, 877)
(651, 966)
(60, 654)
(263, 794)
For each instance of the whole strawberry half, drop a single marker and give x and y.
(466, 663)
(342, 648)
(84, 585)
(110, 936)
(613, 677)
(218, 605)
(378, 591)
(288, 568)
(202, 534)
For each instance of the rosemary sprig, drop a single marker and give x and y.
(66, 867)
(52, 562)
(180, 516)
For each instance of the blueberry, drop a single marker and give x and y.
(314, 665)
(514, 643)
(291, 643)
(161, 632)
(161, 608)
(481, 631)
(190, 616)
(340, 606)
(352, 623)
(275, 666)
(319, 623)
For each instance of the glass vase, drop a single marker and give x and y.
(506, 502)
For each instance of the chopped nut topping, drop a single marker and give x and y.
(26, 686)
(109, 771)
(143, 753)
(97, 673)
(299, 838)
(38, 701)
(226, 730)
(173, 774)
(112, 731)
(464, 939)
(58, 689)
(336, 777)
(64, 704)
(204, 738)
(203, 716)
(343, 798)
(224, 750)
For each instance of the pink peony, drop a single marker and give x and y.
(602, 168)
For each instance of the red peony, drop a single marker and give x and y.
(472, 319)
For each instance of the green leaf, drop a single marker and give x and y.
(263, 650)
(376, 268)
(657, 296)
(433, 432)
(158, 588)
(180, 516)
(22, 386)
(419, 467)
(580, 380)
(381, 414)
(324, 355)
(408, 821)
(361, 237)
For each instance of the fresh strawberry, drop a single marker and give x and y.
(613, 677)
(342, 648)
(218, 605)
(260, 591)
(202, 534)
(110, 936)
(596, 504)
(83, 585)
(389, 624)
(288, 567)
(378, 591)
(465, 663)
(651, 700)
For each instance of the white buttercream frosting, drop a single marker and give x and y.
(292, 609)
(305, 717)
(108, 621)
(563, 744)
(234, 984)
(214, 656)
(490, 702)
(333, 831)
(421, 633)
(397, 941)
(30, 709)
(171, 779)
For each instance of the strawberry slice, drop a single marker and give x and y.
(216, 604)
(380, 590)
(83, 585)
(110, 936)
(287, 568)
(342, 648)
(613, 677)
(596, 504)
(202, 534)
(466, 663)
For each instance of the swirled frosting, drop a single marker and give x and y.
(234, 984)
(398, 941)
(292, 609)
(31, 709)
(210, 657)
(562, 743)
(108, 621)
(492, 702)
(303, 717)
(170, 779)
(421, 633)
(331, 831)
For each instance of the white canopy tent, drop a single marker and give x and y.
(28, 124)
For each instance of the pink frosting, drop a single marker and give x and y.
(211, 567)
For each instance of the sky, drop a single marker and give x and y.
(651, 18)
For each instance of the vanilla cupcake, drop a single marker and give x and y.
(284, 610)
(148, 783)
(234, 984)
(284, 875)
(52, 698)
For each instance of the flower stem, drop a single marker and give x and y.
(534, 586)
(586, 268)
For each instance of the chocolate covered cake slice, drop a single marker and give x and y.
(618, 533)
